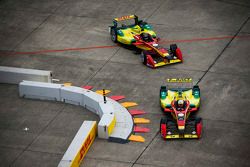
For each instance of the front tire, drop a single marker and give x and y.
(113, 35)
(144, 58)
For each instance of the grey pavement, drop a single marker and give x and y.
(220, 66)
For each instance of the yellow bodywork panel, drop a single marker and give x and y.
(136, 138)
(179, 80)
(129, 33)
(67, 84)
(172, 136)
(181, 136)
(124, 18)
(143, 47)
(126, 38)
(166, 63)
(149, 32)
(129, 104)
(190, 136)
(173, 95)
(141, 121)
(100, 92)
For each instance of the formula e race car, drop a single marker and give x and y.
(124, 32)
(180, 106)
(154, 55)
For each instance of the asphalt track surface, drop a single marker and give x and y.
(70, 37)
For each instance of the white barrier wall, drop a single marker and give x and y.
(92, 101)
(40, 90)
(77, 96)
(14, 75)
(73, 95)
(79, 145)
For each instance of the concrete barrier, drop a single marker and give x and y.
(116, 123)
(40, 90)
(79, 145)
(14, 75)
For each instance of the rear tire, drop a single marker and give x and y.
(175, 51)
(113, 35)
(198, 120)
(142, 24)
(173, 48)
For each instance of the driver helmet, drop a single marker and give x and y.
(145, 36)
(180, 103)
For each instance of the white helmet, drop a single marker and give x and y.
(180, 102)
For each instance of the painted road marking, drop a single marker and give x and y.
(113, 46)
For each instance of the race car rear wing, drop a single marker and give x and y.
(179, 82)
(126, 18)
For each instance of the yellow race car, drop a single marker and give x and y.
(180, 105)
(140, 34)
(123, 30)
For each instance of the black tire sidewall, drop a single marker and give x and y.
(173, 48)
(144, 58)
(113, 35)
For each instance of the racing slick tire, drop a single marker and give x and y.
(163, 89)
(113, 35)
(142, 23)
(173, 48)
(163, 127)
(144, 58)
(196, 88)
(176, 51)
